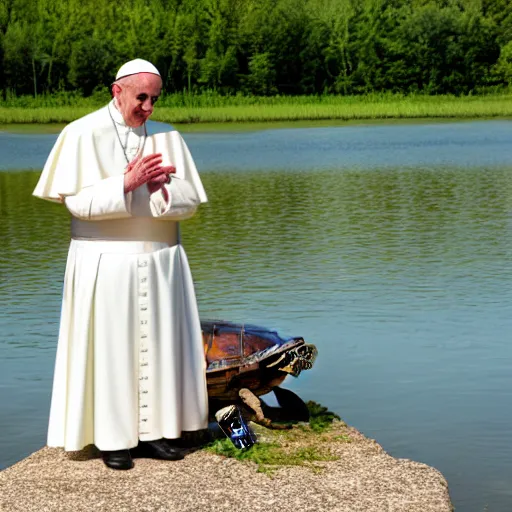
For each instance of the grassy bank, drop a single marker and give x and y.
(238, 109)
(52, 128)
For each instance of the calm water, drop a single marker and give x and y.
(387, 247)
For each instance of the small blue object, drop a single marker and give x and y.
(235, 427)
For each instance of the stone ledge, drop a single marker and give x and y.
(362, 478)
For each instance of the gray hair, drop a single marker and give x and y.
(125, 81)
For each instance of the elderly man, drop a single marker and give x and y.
(130, 367)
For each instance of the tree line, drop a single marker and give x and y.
(259, 47)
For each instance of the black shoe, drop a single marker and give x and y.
(160, 449)
(119, 459)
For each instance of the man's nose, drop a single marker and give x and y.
(147, 106)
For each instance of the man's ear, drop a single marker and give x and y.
(116, 90)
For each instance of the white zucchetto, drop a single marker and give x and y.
(136, 66)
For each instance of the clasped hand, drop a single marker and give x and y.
(148, 170)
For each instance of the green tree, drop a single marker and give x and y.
(262, 75)
(503, 67)
(219, 66)
(260, 46)
(18, 45)
(90, 65)
(444, 49)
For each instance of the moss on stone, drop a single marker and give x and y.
(303, 444)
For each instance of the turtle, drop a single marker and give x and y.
(245, 361)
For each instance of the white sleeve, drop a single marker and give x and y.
(103, 200)
(182, 204)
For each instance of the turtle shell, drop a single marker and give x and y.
(228, 345)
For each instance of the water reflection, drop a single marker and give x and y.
(399, 276)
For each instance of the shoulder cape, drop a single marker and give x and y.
(88, 151)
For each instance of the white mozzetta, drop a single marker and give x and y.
(88, 151)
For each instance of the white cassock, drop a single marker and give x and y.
(130, 363)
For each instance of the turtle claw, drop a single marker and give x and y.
(292, 408)
(256, 405)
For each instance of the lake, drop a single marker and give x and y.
(389, 247)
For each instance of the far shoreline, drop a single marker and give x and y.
(239, 126)
(221, 113)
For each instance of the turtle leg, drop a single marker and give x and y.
(293, 407)
(254, 403)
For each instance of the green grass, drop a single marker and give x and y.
(302, 445)
(214, 108)
(40, 128)
(320, 418)
(271, 456)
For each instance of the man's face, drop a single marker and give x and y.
(136, 97)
